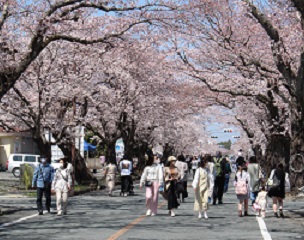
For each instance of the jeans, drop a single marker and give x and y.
(227, 178)
(253, 196)
(47, 194)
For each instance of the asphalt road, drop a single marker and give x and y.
(97, 216)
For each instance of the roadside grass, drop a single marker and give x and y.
(31, 194)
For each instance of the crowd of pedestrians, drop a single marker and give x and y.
(211, 176)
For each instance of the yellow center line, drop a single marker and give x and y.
(131, 225)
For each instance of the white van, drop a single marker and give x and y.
(14, 161)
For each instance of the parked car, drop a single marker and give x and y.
(14, 161)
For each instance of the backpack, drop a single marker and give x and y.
(218, 166)
(241, 187)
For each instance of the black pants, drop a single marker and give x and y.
(218, 189)
(193, 172)
(125, 184)
(184, 193)
(189, 167)
(47, 194)
(172, 196)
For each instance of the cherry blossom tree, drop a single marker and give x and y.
(27, 28)
(251, 51)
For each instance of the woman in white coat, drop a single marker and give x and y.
(152, 179)
(201, 185)
(61, 185)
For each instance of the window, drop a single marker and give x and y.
(17, 158)
(29, 159)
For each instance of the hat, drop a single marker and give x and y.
(171, 158)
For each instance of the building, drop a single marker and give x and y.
(15, 142)
(22, 142)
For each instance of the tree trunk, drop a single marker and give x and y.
(277, 150)
(297, 150)
(82, 174)
(44, 148)
(129, 149)
(111, 152)
(142, 148)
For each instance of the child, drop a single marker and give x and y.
(262, 201)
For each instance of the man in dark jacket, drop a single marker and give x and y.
(219, 182)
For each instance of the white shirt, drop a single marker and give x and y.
(152, 173)
(125, 167)
(195, 164)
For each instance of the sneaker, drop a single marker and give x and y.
(282, 214)
(205, 215)
(172, 213)
(199, 215)
(153, 214)
(59, 213)
(65, 213)
(246, 214)
(276, 215)
(148, 212)
(40, 213)
(240, 214)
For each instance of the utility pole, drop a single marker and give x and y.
(73, 148)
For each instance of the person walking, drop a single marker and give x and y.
(227, 173)
(280, 185)
(201, 185)
(242, 183)
(240, 161)
(152, 178)
(255, 173)
(261, 201)
(183, 169)
(62, 185)
(171, 176)
(219, 182)
(42, 180)
(125, 171)
(210, 165)
(110, 173)
(194, 164)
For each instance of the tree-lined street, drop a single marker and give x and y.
(131, 88)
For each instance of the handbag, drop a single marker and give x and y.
(256, 207)
(148, 183)
(241, 187)
(269, 182)
(274, 182)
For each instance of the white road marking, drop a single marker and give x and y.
(263, 229)
(19, 220)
